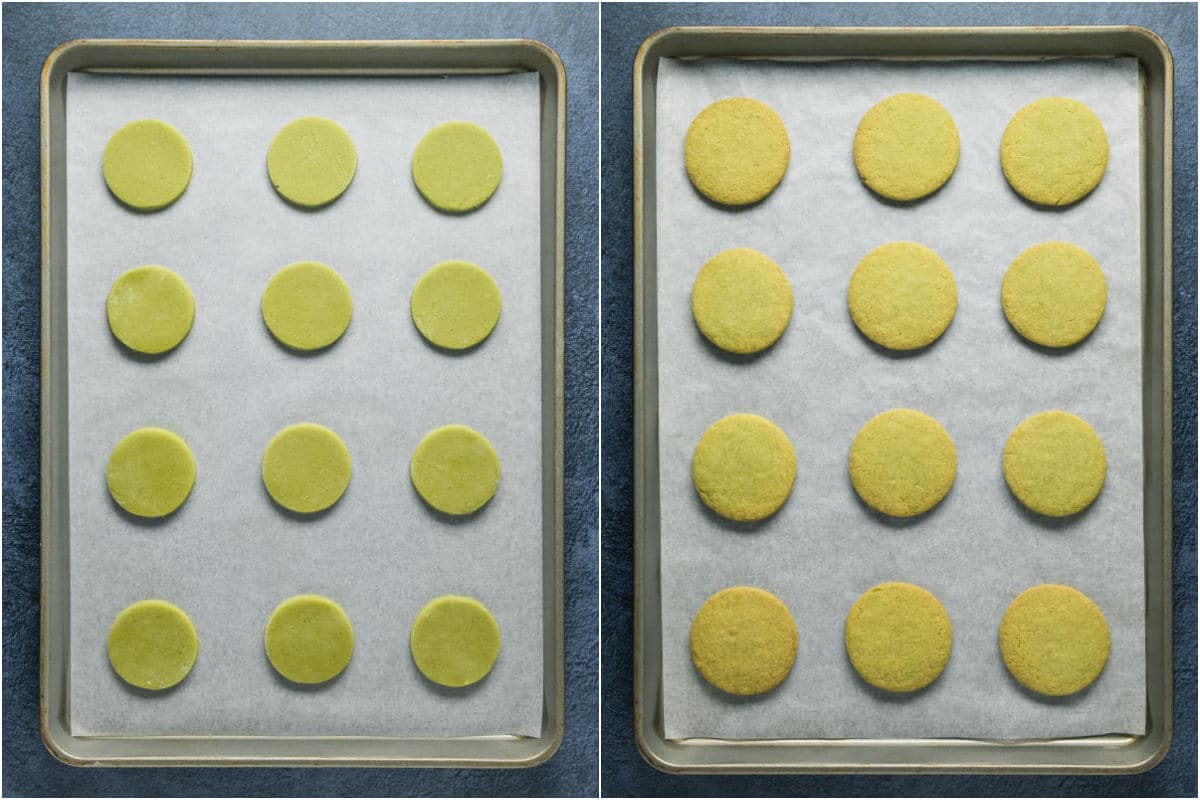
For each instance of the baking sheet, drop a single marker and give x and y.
(229, 555)
(978, 549)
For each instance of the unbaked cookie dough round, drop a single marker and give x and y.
(152, 645)
(736, 151)
(457, 167)
(1054, 151)
(898, 637)
(1054, 640)
(902, 462)
(902, 296)
(311, 161)
(309, 639)
(1054, 294)
(743, 467)
(306, 468)
(743, 640)
(151, 472)
(455, 470)
(906, 147)
(1054, 463)
(147, 164)
(454, 641)
(455, 305)
(150, 309)
(741, 300)
(306, 306)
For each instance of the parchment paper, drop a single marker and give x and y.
(978, 549)
(229, 555)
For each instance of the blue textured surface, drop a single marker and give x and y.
(30, 33)
(623, 27)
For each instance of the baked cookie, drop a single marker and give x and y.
(455, 305)
(455, 470)
(306, 468)
(1054, 463)
(743, 640)
(902, 463)
(457, 167)
(743, 467)
(1054, 640)
(150, 309)
(906, 147)
(736, 151)
(1054, 294)
(311, 161)
(151, 472)
(741, 301)
(1054, 151)
(902, 296)
(147, 164)
(152, 645)
(309, 639)
(898, 637)
(454, 641)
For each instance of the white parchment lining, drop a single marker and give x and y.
(978, 549)
(229, 555)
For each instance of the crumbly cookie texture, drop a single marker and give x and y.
(1054, 463)
(743, 467)
(902, 462)
(906, 147)
(736, 151)
(743, 640)
(1054, 151)
(1054, 294)
(898, 637)
(741, 301)
(1054, 640)
(902, 296)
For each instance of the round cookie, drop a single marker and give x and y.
(1054, 294)
(1054, 463)
(902, 463)
(150, 472)
(902, 296)
(736, 151)
(454, 641)
(906, 147)
(1054, 640)
(457, 167)
(150, 309)
(147, 164)
(743, 640)
(741, 300)
(306, 306)
(1054, 151)
(898, 637)
(455, 305)
(306, 468)
(743, 467)
(311, 161)
(309, 639)
(152, 645)
(455, 470)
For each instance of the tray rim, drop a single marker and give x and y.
(528, 55)
(650, 744)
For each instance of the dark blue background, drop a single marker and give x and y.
(623, 27)
(30, 33)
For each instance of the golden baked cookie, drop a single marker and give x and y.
(902, 296)
(736, 151)
(147, 164)
(150, 309)
(743, 640)
(454, 641)
(306, 468)
(455, 470)
(1054, 640)
(906, 147)
(455, 305)
(311, 161)
(1054, 294)
(898, 637)
(741, 300)
(1054, 463)
(306, 306)
(309, 639)
(150, 472)
(152, 645)
(902, 463)
(457, 167)
(1054, 151)
(743, 467)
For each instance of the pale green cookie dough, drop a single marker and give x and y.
(147, 164)
(902, 296)
(1054, 151)
(455, 470)
(152, 645)
(902, 462)
(743, 467)
(456, 167)
(311, 161)
(306, 468)
(455, 305)
(898, 637)
(1054, 640)
(741, 300)
(906, 147)
(1054, 294)
(736, 151)
(151, 472)
(306, 305)
(743, 640)
(150, 309)
(309, 639)
(454, 641)
(1054, 463)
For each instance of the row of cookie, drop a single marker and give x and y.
(902, 463)
(1053, 639)
(1053, 152)
(456, 166)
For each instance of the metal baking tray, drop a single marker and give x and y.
(301, 58)
(1093, 754)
